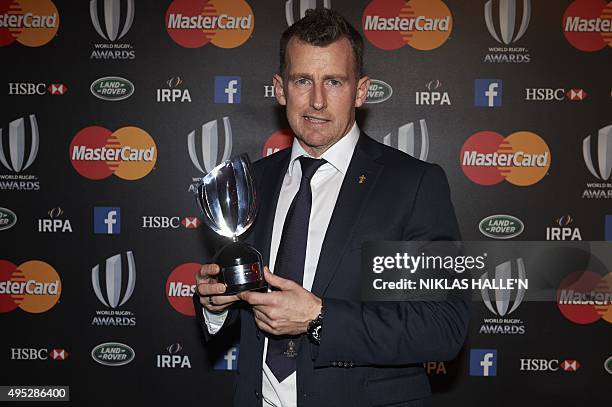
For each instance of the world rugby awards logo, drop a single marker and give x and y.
(17, 161)
(112, 19)
(601, 166)
(209, 148)
(115, 282)
(304, 5)
(504, 301)
(406, 140)
(507, 33)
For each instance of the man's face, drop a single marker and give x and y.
(320, 91)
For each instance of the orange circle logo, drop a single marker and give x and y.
(587, 24)
(30, 22)
(487, 158)
(422, 24)
(195, 23)
(130, 153)
(33, 286)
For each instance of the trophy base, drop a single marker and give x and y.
(241, 268)
(253, 286)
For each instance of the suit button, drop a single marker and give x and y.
(334, 364)
(346, 364)
(351, 364)
(257, 394)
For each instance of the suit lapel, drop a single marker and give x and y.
(269, 190)
(351, 201)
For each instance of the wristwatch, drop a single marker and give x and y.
(314, 328)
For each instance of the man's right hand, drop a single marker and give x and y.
(209, 289)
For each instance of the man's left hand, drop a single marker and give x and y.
(286, 311)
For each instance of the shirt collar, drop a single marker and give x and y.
(339, 155)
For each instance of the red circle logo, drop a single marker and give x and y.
(279, 140)
(195, 23)
(587, 24)
(422, 24)
(522, 158)
(585, 297)
(30, 22)
(180, 287)
(130, 153)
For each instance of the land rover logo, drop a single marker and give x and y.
(378, 91)
(112, 88)
(501, 226)
(7, 219)
(113, 354)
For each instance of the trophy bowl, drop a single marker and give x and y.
(228, 200)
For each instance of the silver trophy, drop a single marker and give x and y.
(228, 201)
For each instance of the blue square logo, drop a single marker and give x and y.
(229, 360)
(107, 220)
(488, 92)
(483, 362)
(227, 89)
(608, 228)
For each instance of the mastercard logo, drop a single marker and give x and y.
(585, 297)
(195, 23)
(279, 140)
(96, 153)
(422, 24)
(33, 286)
(587, 24)
(522, 158)
(30, 22)
(180, 287)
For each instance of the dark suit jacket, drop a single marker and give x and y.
(370, 353)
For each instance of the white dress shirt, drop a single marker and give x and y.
(325, 185)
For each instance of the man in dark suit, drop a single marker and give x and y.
(311, 341)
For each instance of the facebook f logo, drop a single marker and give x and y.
(483, 362)
(229, 360)
(107, 220)
(227, 89)
(488, 92)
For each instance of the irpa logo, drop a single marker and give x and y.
(209, 145)
(195, 23)
(507, 32)
(587, 24)
(304, 5)
(30, 22)
(17, 160)
(601, 167)
(406, 140)
(112, 21)
(499, 301)
(114, 280)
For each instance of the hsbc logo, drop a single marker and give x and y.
(28, 89)
(406, 140)
(58, 354)
(170, 222)
(558, 94)
(552, 365)
(304, 5)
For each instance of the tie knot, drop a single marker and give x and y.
(310, 166)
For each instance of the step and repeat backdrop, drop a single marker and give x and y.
(113, 110)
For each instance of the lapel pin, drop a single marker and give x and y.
(362, 179)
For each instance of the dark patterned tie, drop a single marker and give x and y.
(289, 264)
